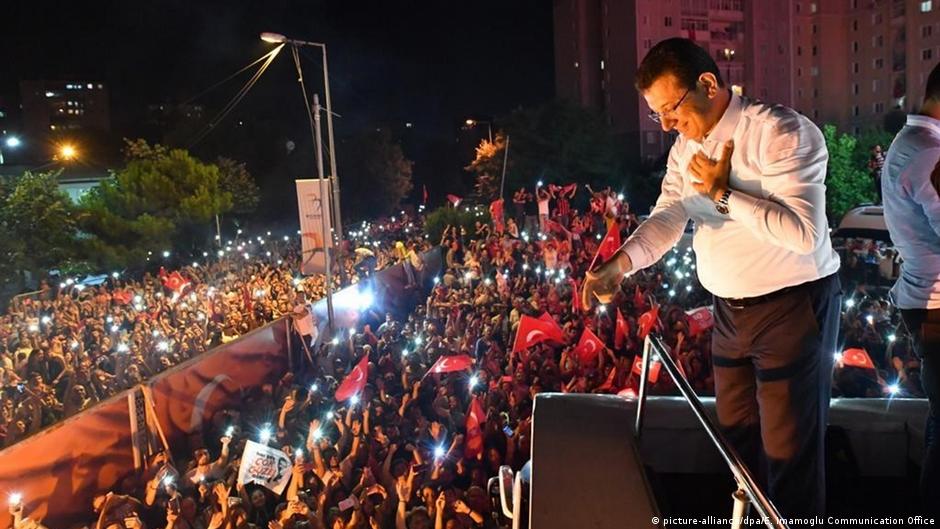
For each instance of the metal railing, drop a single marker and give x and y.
(748, 492)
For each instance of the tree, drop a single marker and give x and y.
(162, 199)
(39, 225)
(439, 219)
(848, 184)
(375, 174)
(235, 180)
(556, 142)
(488, 167)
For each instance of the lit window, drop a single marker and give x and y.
(577, 64)
(815, 71)
(602, 64)
(926, 6)
(50, 94)
(90, 86)
(812, 7)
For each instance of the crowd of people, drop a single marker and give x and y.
(404, 451)
(75, 343)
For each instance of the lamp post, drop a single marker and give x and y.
(489, 128)
(277, 38)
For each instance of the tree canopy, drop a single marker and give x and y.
(162, 199)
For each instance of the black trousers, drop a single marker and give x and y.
(773, 376)
(924, 326)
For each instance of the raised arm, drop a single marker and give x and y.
(793, 163)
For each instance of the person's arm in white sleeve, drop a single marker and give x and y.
(666, 223)
(924, 186)
(793, 163)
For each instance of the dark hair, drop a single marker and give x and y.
(680, 57)
(932, 91)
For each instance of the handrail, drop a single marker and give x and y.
(746, 483)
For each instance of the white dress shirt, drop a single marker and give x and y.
(912, 212)
(776, 233)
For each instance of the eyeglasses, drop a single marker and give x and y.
(658, 117)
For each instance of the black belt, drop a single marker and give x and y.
(740, 303)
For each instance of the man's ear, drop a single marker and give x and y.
(709, 81)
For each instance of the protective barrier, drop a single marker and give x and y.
(60, 470)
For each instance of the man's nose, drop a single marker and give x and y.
(667, 124)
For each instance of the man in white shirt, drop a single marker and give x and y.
(751, 176)
(910, 184)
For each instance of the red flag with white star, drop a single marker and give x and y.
(589, 346)
(355, 381)
(621, 330)
(647, 321)
(476, 419)
(449, 364)
(532, 331)
(856, 357)
(700, 320)
(653, 374)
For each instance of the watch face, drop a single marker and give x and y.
(722, 208)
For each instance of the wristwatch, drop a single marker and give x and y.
(722, 204)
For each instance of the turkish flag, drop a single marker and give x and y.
(425, 194)
(653, 375)
(454, 200)
(589, 346)
(175, 282)
(621, 331)
(700, 320)
(355, 381)
(608, 384)
(122, 296)
(570, 188)
(547, 318)
(496, 211)
(575, 295)
(533, 331)
(647, 321)
(449, 364)
(555, 227)
(638, 300)
(856, 357)
(476, 419)
(609, 245)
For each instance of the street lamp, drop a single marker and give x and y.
(489, 129)
(67, 152)
(277, 38)
(12, 142)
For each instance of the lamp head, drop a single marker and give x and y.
(273, 38)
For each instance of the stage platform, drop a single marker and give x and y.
(885, 435)
(587, 469)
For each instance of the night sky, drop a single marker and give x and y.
(432, 63)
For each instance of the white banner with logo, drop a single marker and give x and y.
(315, 227)
(266, 466)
